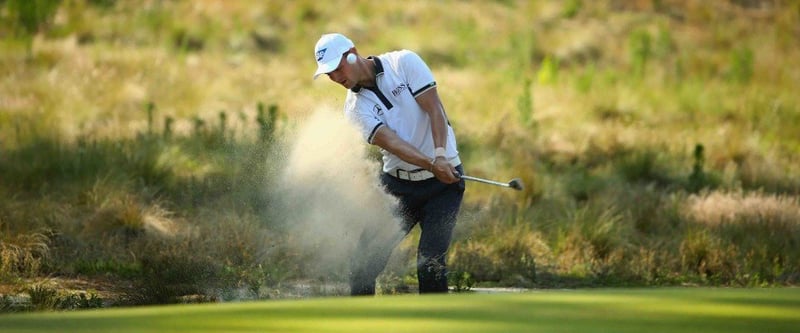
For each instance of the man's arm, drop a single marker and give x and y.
(430, 102)
(389, 140)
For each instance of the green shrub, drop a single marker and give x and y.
(585, 80)
(104, 4)
(43, 296)
(517, 262)
(525, 104)
(10, 304)
(79, 300)
(571, 8)
(548, 71)
(509, 255)
(32, 16)
(639, 45)
(741, 68)
(700, 178)
(99, 267)
(706, 256)
(664, 44)
(267, 121)
(460, 281)
(646, 165)
(171, 271)
(475, 258)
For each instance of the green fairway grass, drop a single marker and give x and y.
(585, 311)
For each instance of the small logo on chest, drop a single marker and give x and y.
(377, 109)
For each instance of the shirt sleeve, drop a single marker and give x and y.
(365, 119)
(417, 74)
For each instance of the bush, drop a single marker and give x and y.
(32, 16)
(639, 44)
(44, 296)
(741, 68)
(22, 254)
(727, 240)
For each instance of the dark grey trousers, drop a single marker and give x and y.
(431, 204)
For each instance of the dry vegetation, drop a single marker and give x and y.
(657, 139)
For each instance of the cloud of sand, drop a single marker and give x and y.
(332, 191)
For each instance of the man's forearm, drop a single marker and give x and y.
(389, 140)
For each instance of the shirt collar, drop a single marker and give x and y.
(378, 72)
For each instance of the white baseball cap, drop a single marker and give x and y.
(329, 51)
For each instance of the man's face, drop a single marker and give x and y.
(342, 74)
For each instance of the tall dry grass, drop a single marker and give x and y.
(757, 232)
(133, 141)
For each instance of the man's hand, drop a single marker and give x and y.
(444, 171)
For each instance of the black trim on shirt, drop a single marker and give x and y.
(378, 66)
(424, 89)
(383, 98)
(372, 134)
(378, 72)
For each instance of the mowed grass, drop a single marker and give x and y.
(588, 310)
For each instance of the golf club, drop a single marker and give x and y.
(515, 183)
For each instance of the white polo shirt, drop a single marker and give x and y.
(400, 77)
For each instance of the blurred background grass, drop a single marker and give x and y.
(657, 139)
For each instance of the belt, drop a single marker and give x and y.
(413, 175)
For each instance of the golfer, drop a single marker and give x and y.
(392, 98)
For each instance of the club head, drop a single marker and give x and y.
(516, 184)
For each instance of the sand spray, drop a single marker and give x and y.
(331, 192)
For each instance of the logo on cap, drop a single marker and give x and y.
(321, 53)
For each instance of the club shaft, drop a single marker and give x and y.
(485, 181)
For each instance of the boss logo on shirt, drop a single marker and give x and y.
(398, 90)
(377, 109)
